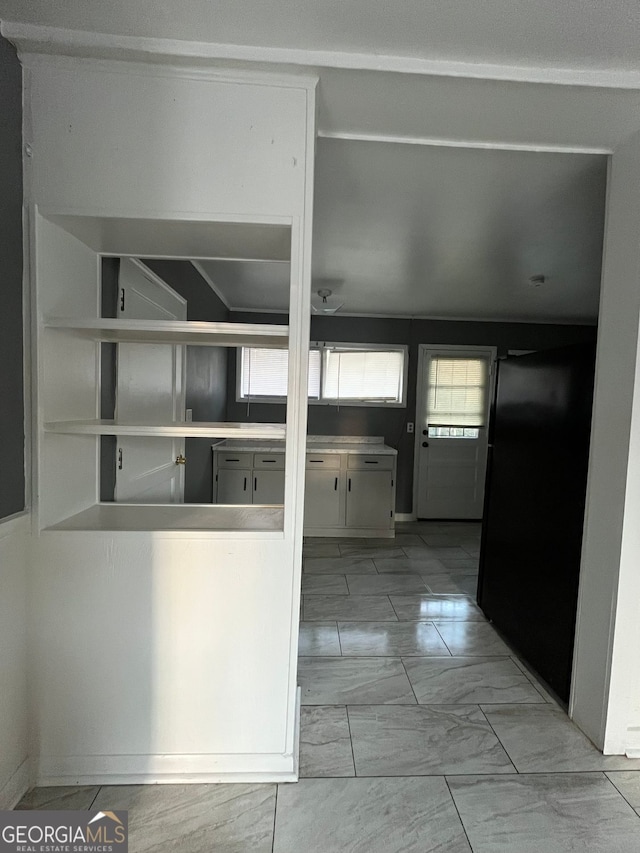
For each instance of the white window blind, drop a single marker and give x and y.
(367, 375)
(264, 373)
(457, 391)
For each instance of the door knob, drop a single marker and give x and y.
(425, 444)
(180, 459)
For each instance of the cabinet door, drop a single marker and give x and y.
(322, 498)
(369, 495)
(234, 486)
(268, 487)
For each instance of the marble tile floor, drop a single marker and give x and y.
(421, 730)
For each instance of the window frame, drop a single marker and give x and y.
(330, 401)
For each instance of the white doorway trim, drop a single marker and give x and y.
(420, 395)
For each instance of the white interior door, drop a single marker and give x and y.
(150, 389)
(454, 391)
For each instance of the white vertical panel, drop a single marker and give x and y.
(127, 138)
(67, 279)
(148, 645)
(607, 638)
(14, 772)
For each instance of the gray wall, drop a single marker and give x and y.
(206, 371)
(391, 422)
(12, 493)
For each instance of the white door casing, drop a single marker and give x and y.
(150, 389)
(449, 473)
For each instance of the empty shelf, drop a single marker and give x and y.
(176, 518)
(175, 332)
(177, 429)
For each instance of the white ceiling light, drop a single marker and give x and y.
(327, 303)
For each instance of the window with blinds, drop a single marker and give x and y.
(264, 373)
(457, 393)
(363, 375)
(359, 374)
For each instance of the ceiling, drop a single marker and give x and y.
(412, 230)
(520, 33)
(404, 223)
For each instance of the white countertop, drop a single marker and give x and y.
(369, 445)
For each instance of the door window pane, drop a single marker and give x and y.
(457, 392)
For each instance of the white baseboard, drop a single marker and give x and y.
(16, 787)
(633, 742)
(165, 769)
(406, 516)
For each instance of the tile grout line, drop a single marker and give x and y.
(100, 787)
(339, 639)
(353, 755)
(455, 805)
(443, 639)
(393, 608)
(605, 773)
(516, 660)
(409, 680)
(275, 812)
(506, 751)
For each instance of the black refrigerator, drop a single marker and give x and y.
(534, 505)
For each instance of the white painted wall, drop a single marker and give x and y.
(14, 745)
(606, 685)
(134, 140)
(161, 657)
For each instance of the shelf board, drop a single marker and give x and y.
(176, 518)
(177, 430)
(175, 332)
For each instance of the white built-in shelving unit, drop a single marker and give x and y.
(70, 337)
(218, 164)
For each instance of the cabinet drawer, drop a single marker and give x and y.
(228, 459)
(268, 460)
(373, 463)
(323, 460)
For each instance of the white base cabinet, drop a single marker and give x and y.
(369, 499)
(248, 478)
(268, 487)
(323, 498)
(234, 486)
(346, 493)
